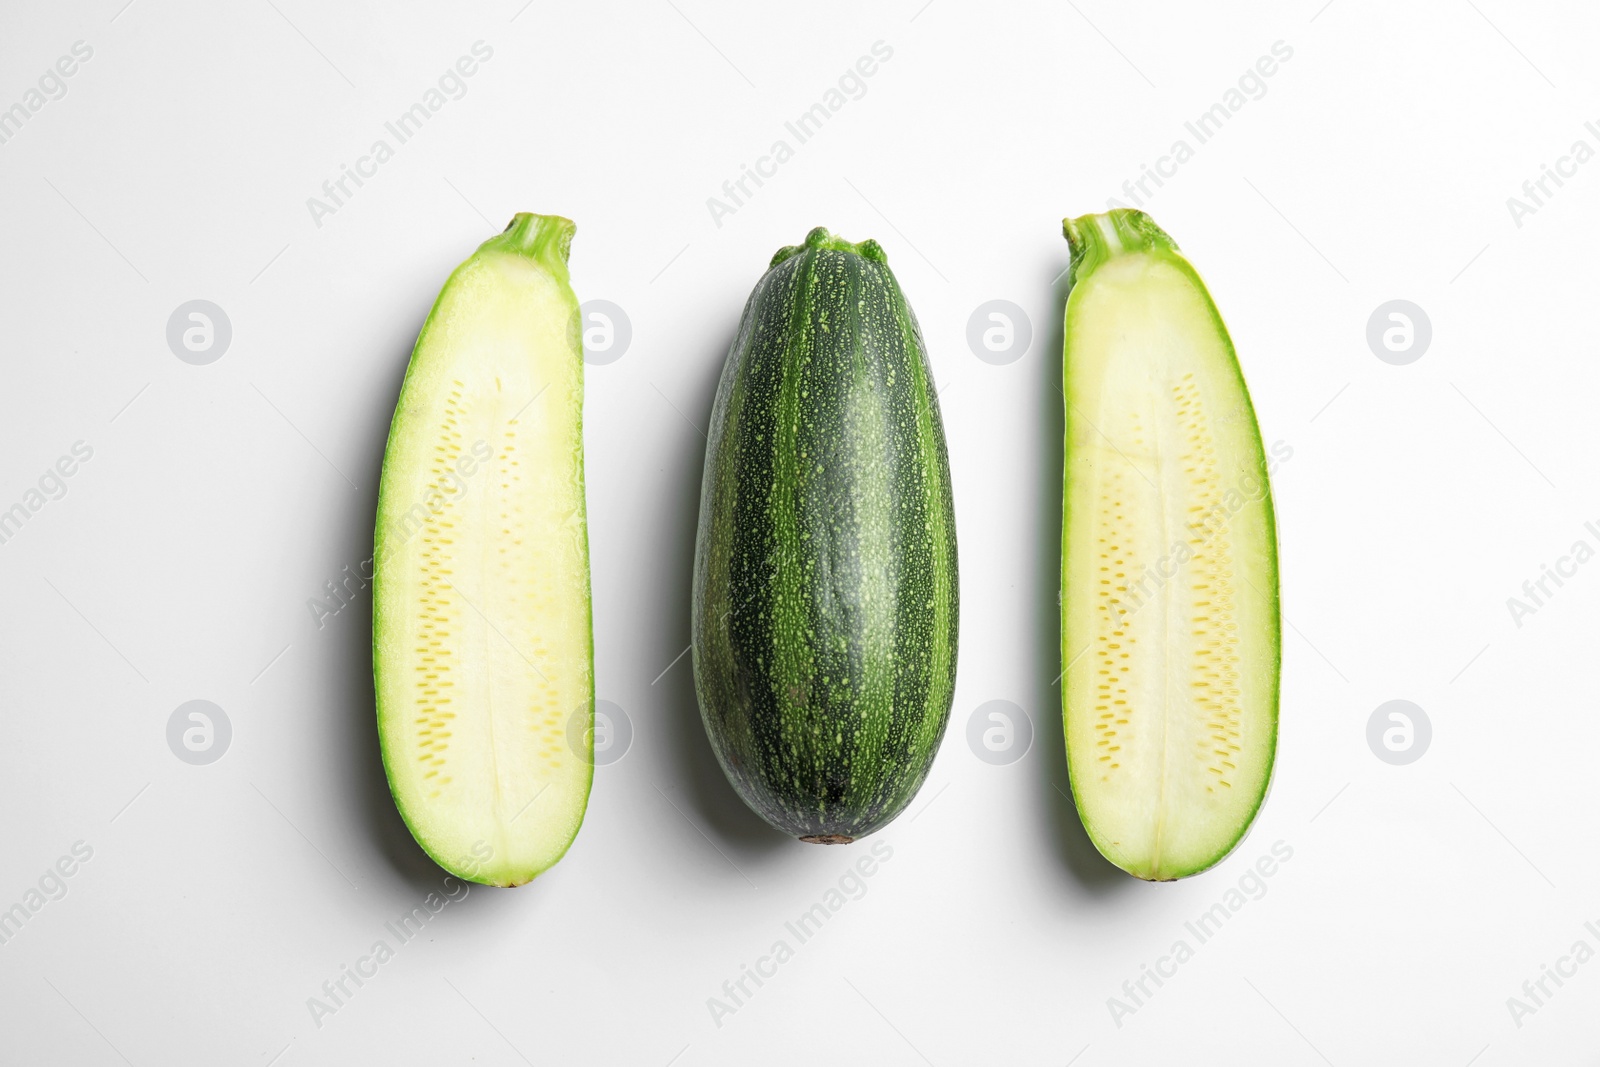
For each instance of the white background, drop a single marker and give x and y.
(220, 498)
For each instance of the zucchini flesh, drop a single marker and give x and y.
(1170, 627)
(482, 647)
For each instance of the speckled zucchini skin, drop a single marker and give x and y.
(825, 591)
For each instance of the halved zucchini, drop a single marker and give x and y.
(482, 648)
(1169, 575)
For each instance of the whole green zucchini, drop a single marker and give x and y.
(825, 593)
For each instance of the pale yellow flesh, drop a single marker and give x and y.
(1170, 581)
(485, 597)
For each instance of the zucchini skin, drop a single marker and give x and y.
(826, 602)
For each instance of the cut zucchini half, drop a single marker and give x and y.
(483, 655)
(1169, 572)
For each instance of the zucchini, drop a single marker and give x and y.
(825, 598)
(1169, 572)
(482, 650)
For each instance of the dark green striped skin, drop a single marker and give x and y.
(825, 593)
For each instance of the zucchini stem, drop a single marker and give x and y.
(1093, 239)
